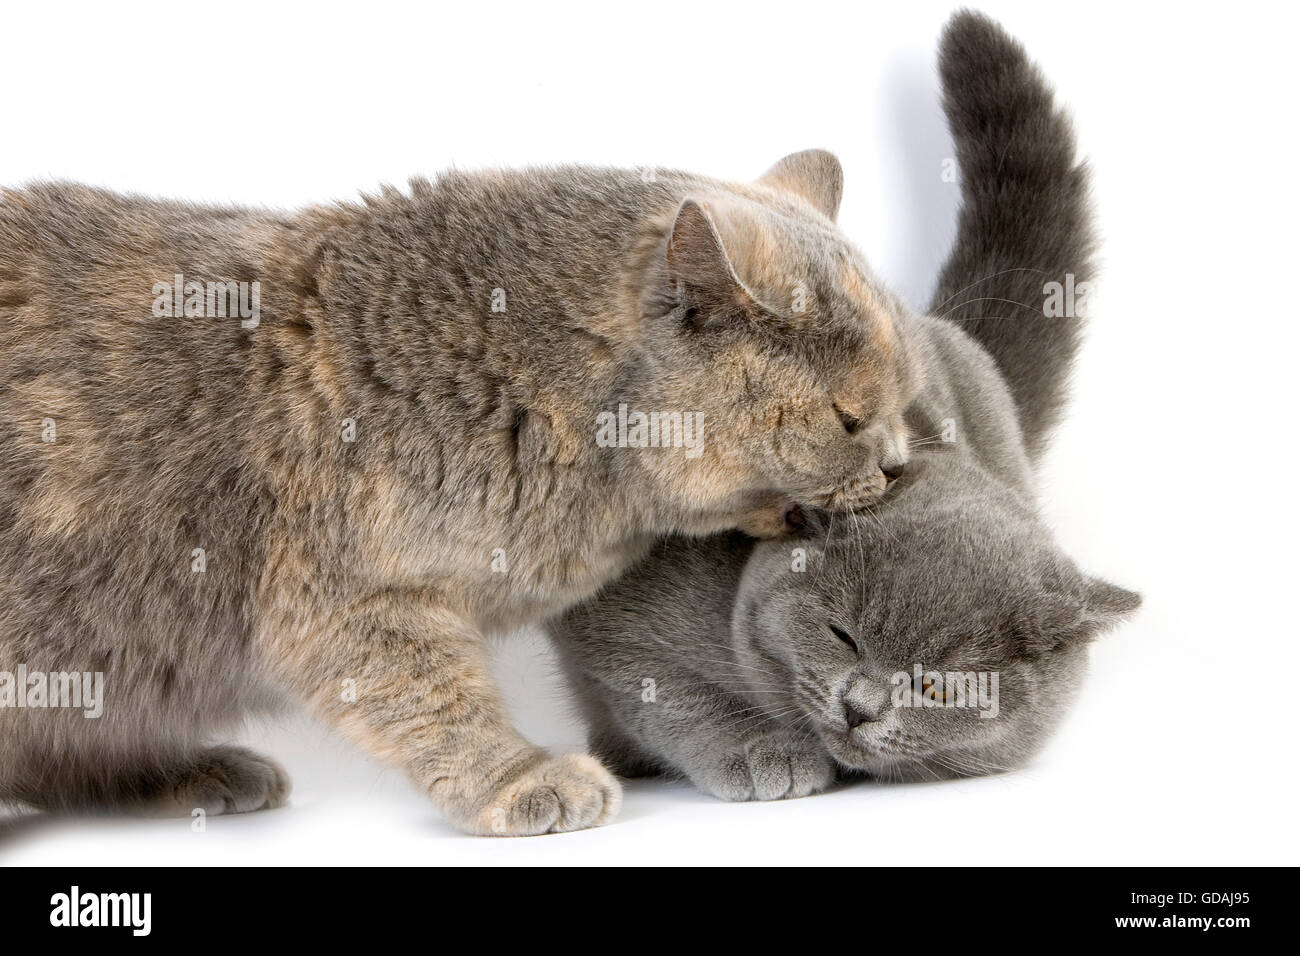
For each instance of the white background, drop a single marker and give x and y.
(1174, 474)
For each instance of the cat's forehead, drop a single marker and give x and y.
(951, 606)
(940, 563)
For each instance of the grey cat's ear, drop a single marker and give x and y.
(1075, 615)
(815, 175)
(697, 258)
(1106, 604)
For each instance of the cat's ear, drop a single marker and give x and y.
(697, 260)
(1075, 616)
(814, 175)
(1106, 604)
(1079, 615)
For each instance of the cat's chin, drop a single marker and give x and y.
(852, 755)
(878, 762)
(901, 766)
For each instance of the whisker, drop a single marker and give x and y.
(992, 298)
(986, 278)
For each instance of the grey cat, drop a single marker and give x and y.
(391, 449)
(943, 632)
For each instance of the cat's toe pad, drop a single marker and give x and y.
(228, 780)
(769, 767)
(565, 793)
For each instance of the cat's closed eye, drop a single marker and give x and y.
(852, 422)
(843, 635)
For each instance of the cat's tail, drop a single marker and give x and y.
(1014, 279)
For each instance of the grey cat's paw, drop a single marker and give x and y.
(226, 780)
(773, 766)
(565, 793)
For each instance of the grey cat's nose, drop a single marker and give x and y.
(855, 717)
(892, 472)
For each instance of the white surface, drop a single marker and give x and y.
(1173, 475)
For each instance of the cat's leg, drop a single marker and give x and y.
(143, 782)
(216, 780)
(131, 747)
(652, 710)
(409, 681)
(725, 743)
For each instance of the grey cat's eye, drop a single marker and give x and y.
(843, 635)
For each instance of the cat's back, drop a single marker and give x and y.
(104, 394)
(69, 235)
(81, 277)
(966, 402)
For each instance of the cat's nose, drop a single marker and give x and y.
(854, 717)
(892, 472)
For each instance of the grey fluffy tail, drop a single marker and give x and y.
(1024, 222)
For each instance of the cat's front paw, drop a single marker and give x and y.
(571, 792)
(772, 766)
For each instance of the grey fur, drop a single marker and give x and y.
(717, 660)
(1024, 219)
